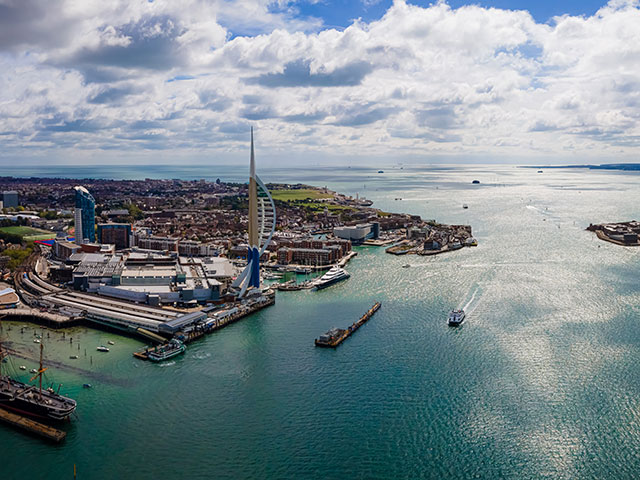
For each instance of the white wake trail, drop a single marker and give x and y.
(466, 307)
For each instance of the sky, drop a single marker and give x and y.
(155, 81)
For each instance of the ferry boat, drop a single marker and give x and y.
(166, 351)
(32, 400)
(335, 275)
(456, 317)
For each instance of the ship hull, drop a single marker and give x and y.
(35, 409)
(328, 283)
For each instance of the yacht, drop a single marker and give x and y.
(335, 275)
(456, 317)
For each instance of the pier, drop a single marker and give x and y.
(32, 426)
(221, 319)
(336, 336)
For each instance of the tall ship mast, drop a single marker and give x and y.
(31, 400)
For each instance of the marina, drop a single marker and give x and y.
(336, 336)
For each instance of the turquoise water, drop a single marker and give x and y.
(539, 382)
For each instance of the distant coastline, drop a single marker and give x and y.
(604, 166)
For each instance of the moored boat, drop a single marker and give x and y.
(168, 350)
(334, 275)
(32, 400)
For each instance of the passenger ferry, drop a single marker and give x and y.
(166, 351)
(335, 275)
(456, 317)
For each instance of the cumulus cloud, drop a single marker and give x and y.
(193, 76)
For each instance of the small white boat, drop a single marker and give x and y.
(111, 342)
(102, 348)
(22, 367)
(34, 370)
(35, 340)
(73, 357)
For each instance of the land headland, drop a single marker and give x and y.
(624, 233)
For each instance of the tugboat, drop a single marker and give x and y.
(32, 400)
(456, 317)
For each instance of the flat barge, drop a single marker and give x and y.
(336, 336)
(32, 426)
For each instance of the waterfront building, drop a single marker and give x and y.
(262, 224)
(358, 233)
(8, 298)
(149, 278)
(308, 256)
(10, 199)
(118, 234)
(85, 216)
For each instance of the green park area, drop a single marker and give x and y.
(28, 233)
(293, 195)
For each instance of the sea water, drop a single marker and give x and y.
(540, 381)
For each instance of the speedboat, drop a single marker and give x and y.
(111, 343)
(456, 317)
(102, 348)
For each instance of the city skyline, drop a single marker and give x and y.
(444, 83)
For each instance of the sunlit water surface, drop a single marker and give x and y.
(541, 380)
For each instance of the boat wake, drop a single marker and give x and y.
(469, 306)
(201, 356)
(167, 364)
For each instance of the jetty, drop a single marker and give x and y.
(32, 426)
(216, 321)
(336, 336)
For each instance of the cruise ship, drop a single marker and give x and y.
(456, 317)
(335, 275)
